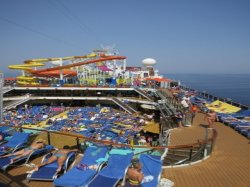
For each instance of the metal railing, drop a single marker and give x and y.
(206, 95)
(203, 147)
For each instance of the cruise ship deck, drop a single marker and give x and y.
(228, 165)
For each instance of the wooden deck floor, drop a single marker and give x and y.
(229, 165)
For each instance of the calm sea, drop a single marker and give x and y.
(233, 86)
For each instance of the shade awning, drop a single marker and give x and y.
(104, 68)
(151, 127)
(222, 107)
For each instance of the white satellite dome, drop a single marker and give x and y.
(149, 62)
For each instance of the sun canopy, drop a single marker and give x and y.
(222, 107)
(104, 68)
(151, 127)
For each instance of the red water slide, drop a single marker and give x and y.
(51, 71)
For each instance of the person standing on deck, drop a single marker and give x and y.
(185, 105)
(178, 117)
(194, 110)
(211, 117)
(187, 99)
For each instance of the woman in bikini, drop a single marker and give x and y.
(40, 143)
(60, 155)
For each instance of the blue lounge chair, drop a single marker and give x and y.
(77, 177)
(113, 172)
(246, 132)
(18, 140)
(48, 172)
(2, 135)
(6, 131)
(151, 165)
(5, 162)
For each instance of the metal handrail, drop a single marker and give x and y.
(105, 142)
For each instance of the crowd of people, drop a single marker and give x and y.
(101, 123)
(189, 107)
(30, 114)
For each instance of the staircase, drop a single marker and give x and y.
(144, 94)
(15, 103)
(124, 106)
(180, 156)
(165, 104)
(7, 89)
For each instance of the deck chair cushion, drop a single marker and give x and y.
(113, 172)
(76, 177)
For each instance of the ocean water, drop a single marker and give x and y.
(233, 86)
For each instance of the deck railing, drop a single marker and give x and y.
(206, 95)
(203, 147)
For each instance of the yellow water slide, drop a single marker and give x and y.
(27, 66)
(29, 77)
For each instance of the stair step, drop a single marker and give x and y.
(167, 162)
(172, 161)
(182, 150)
(176, 157)
(180, 154)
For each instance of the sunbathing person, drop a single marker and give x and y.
(40, 143)
(60, 156)
(1, 136)
(134, 175)
(85, 167)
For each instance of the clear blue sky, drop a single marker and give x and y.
(184, 36)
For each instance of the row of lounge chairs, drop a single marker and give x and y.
(30, 115)
(111, 168)
(92, 122)
(18, 141)
(239, 121)
(111, 165)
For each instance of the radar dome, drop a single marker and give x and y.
(149, 62)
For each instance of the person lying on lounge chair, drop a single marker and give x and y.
(1, 136)
(85, 167)
(38, 144)
(134, 175)
(60, 156)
